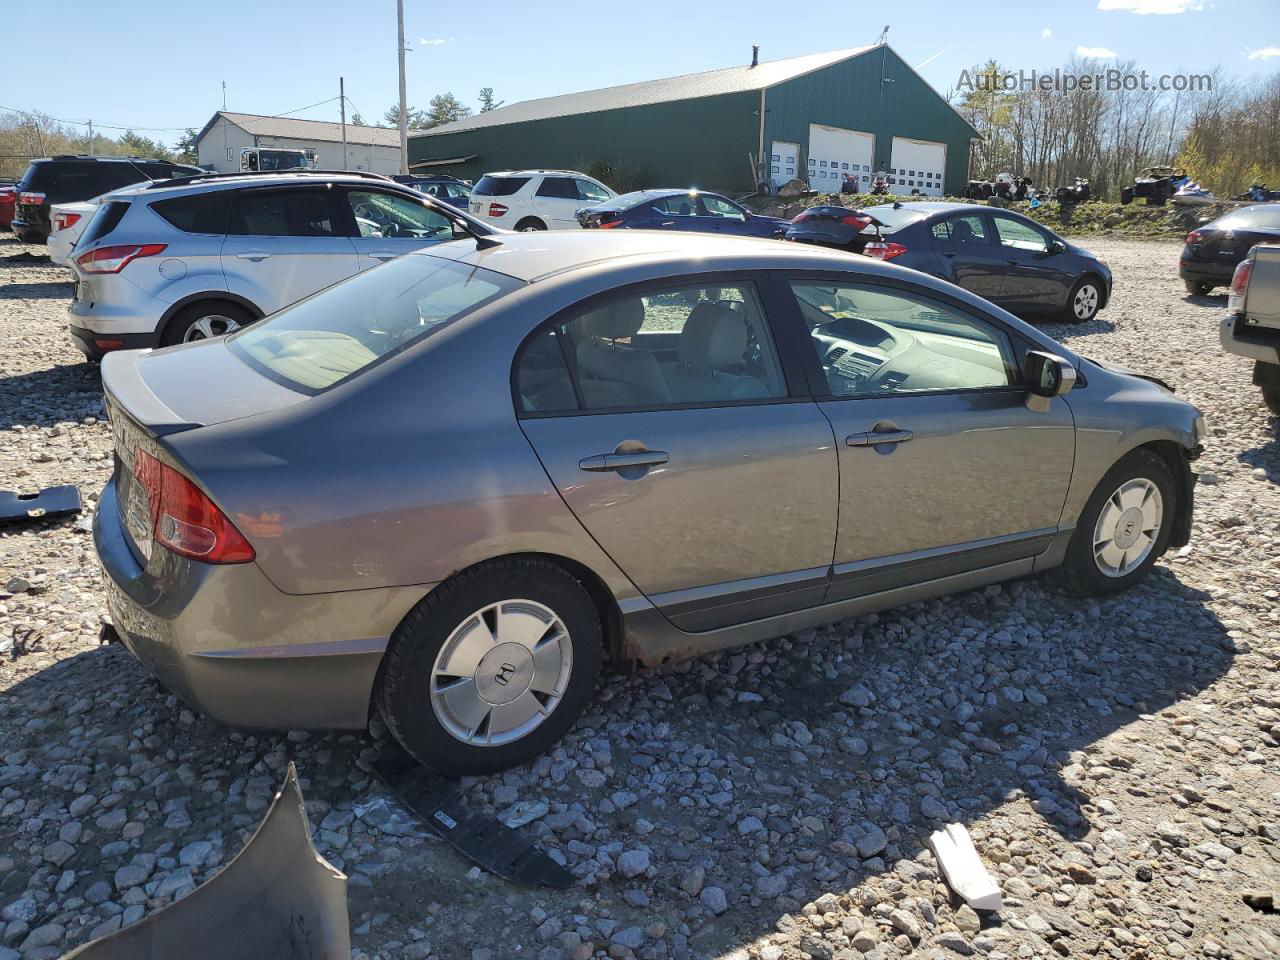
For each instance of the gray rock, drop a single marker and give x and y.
(633, 863)
(907, 923)
(714, 899)
(131, 875)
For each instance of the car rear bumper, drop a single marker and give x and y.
(60, 246)
(96, 345)
(1217, 271)
(234, 647)
(1260, 345)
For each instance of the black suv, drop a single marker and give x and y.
(67, 179)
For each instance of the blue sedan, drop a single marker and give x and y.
(680, 210)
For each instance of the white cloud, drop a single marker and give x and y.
(1264, 53)
(1152, 6)
(432, 43)
(1095, 53)
(1046, 33)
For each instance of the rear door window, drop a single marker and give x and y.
(559, 188)
(304, 212)
(197, 213)
(970, 229)
(499, 186)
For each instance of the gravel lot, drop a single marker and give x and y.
(1115, 761)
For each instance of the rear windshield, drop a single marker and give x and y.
(623, 202)
(337, 333)
(66, 181)
(1252, 218)
(104, 221)
(499, 186)
(895, 219)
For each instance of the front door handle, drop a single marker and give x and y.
(1012, 263)
(875, 439)
(253, 255)
(383, 255)
(618, 461)
(949, 256)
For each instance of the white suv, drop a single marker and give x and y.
(536, 199)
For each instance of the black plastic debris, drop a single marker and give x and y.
(484, 840)
(49, 502)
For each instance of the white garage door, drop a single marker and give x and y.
(917, 165)
(833, 152)
(783, 168)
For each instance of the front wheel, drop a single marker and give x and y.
(493, 667)
(1123, 528)
(1198, 288)
(1085, 299)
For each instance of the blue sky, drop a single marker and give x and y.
(166, 71)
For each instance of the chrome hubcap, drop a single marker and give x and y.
(214, 325)
(501, 673)
(1127, 527)
(1086, 302)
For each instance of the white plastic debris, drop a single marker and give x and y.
(963, 868)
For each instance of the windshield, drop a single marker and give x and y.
(351, 326)
(280, 159)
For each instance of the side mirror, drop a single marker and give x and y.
(1047, 376)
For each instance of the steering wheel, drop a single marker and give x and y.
(391, 229)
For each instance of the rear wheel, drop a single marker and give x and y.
(493, 667)
(1085, 299)
(204, 321)
(1123, 528)
(530, 225)
(1199, 288)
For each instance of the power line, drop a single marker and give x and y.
(116, 126)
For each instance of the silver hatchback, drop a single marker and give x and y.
(451, 488)
(194, 258)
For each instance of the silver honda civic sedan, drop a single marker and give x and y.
(453, 487)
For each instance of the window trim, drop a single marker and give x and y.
(820, 389)
(793, 375)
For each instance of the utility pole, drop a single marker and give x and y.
(90, 136)
(404, 107)
(224, 94)
(342, 101)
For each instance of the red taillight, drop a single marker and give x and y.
(64, 220)
(1195, 236)
(497, 210)
(1239, 283)
(35, 199)
(183, 519)
(105, 345)
(880, 250)
(114, 259)
(800, 217)
(854, 221)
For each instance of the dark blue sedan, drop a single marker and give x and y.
(680, 210)
(1000, 255)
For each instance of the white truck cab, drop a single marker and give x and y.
(1251, 327)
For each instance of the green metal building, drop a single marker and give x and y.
(815, 118)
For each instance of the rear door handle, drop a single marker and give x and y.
(617, 461)
(253, 255)
(384, 255)
(875, 439)
(949, 256)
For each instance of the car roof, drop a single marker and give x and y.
(532, 257)
(526, 173)
(82, 157)
(230, 181)
(933, 207)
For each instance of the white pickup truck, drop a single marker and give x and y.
(1251, 327)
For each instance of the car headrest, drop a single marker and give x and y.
(613, 321)
(714, 337)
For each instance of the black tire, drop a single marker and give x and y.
(530, 225)
(1272, 399)
(1199, 288)
(1079, 573)
(403, 694)
(1070, 314)
(217, 312)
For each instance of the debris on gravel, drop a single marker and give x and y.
(1115, 760)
